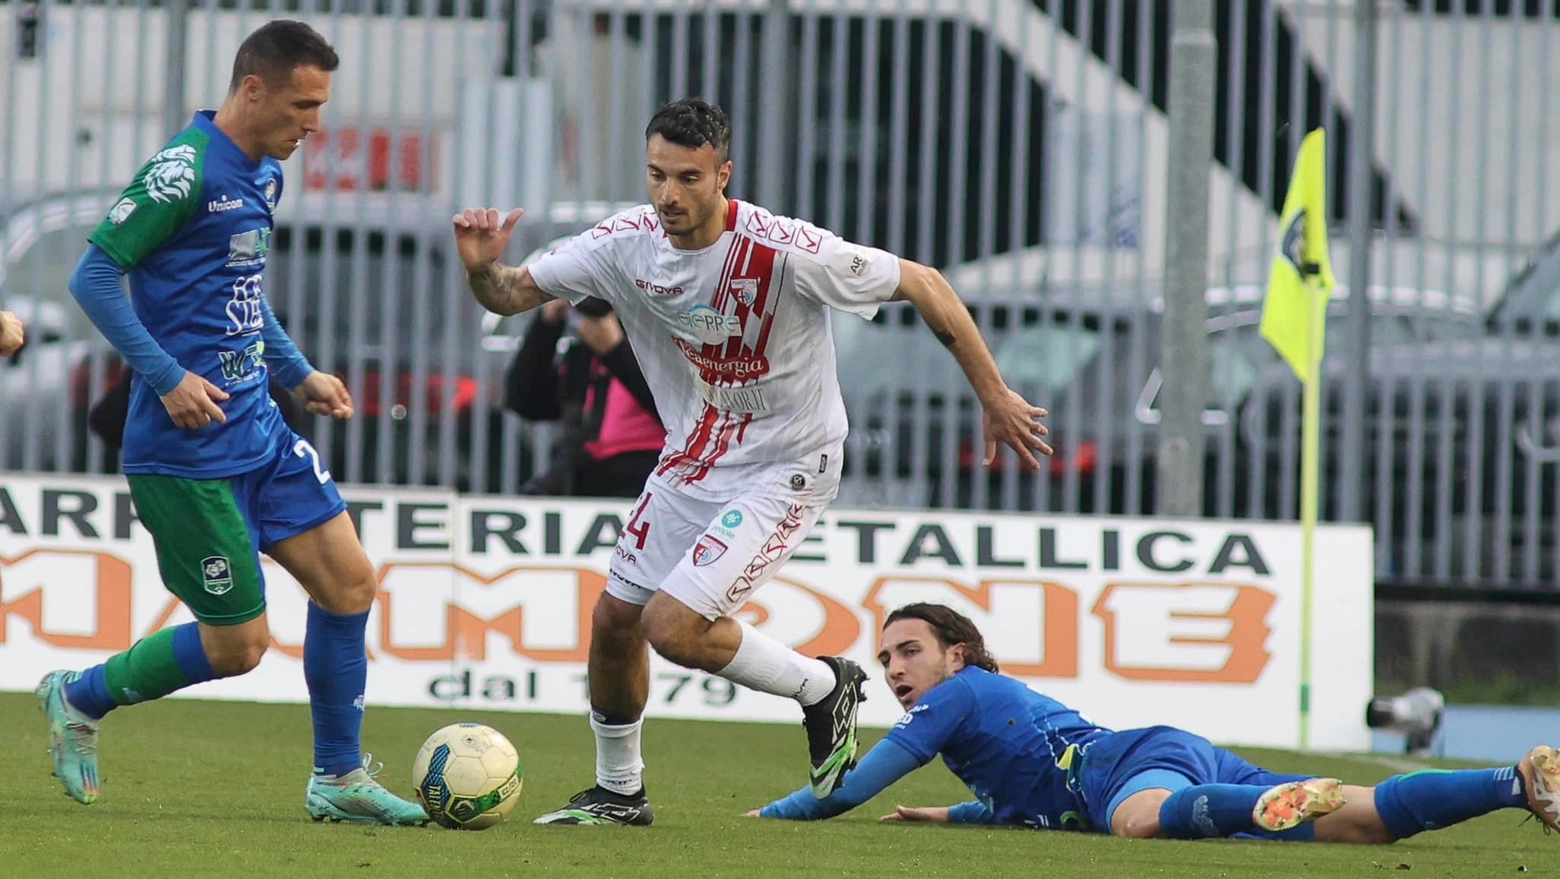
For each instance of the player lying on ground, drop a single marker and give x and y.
(727, 306)
(216, 474)
(1033, 762)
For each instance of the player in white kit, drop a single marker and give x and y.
(728, 309)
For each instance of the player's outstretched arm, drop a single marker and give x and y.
(481, 236)
(1009, 418)
(885, 764)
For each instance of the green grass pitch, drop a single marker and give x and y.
(195, 788)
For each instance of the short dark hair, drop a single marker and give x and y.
(692, 123)
(951, 627)
(277, 49)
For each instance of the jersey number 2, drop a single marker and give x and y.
(302, 449)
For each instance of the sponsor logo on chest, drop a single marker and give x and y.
(708, 325)
(248, 249)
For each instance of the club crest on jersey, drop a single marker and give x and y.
(744, 289)
(707, 551)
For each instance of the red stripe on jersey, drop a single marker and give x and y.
(718, 300)
(694, 447)
(757, 265)
(722, 444)
(765, 265)
(763, 268)
(731, 214)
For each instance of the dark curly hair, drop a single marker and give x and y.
(692, 123)
(951, 627)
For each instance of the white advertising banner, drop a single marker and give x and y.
(485, 602)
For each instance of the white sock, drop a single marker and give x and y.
(766, 665)
(619, 767)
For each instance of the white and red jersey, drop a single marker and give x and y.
(734, 339)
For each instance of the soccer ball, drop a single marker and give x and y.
(467, 776)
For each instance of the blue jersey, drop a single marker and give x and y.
(1007, 743)
(192, 230)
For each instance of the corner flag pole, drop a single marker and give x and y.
(1310, 478)
(1294, 321)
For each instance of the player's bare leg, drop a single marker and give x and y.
(829, 689)
(1430, 799)
(329, 562)
(619, 676)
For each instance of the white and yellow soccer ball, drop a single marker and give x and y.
(467, 776)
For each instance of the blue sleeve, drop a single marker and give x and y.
(973, 812)
(933, 721)
(281, 355)
(95, 284)
(885, 764)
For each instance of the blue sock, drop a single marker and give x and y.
(335, 666)
(153, 667)
(1209, 810)
(88, 693)
(1437, 798)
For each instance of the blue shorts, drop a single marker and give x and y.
(1121, 764)
(289, 495)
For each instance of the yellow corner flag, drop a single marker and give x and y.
(1302, 280)
(1294, 319)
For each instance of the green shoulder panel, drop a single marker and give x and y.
(162, 199)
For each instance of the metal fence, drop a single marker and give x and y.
(1018, 145)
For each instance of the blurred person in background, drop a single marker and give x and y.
(590, 382)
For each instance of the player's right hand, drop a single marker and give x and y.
(918, 814)
(193, 404)
(481, 235)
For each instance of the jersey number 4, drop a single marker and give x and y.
(637, 526)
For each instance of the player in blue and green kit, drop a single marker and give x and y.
(1033, 762)
(216, 475)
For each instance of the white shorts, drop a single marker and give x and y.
(709, 556)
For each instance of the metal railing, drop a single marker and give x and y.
(1018, 145)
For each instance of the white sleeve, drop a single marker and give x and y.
(846, 276)
(574, 271)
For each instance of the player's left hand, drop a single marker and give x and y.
(1015, 422)
(753, 814)
(324, 394)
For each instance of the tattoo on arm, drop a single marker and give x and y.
(497, 288)
(946, 337)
